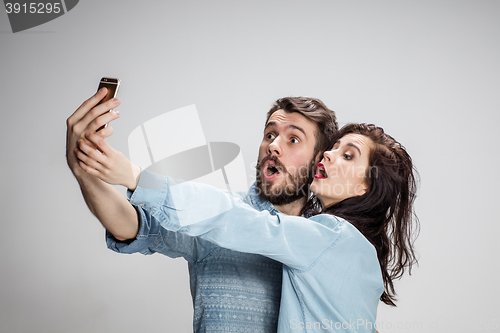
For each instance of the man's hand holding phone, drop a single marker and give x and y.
(89, 117)
(112, 209)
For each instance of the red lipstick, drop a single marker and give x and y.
(320, 172)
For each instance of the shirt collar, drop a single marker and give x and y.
(259, 203)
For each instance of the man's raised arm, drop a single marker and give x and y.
(112, 209)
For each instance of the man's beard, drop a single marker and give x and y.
(295, 187)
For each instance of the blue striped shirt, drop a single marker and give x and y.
(232, 291)
(332, 279)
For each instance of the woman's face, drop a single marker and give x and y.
(341, 173)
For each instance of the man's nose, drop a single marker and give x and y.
(274, 148)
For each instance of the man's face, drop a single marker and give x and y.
(286, 162)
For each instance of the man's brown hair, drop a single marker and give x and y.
(314, 110)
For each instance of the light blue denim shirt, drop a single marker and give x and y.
(232, 291)
(332, 280)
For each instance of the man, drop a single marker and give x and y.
(231, 291)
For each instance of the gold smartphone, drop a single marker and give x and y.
(113, 85)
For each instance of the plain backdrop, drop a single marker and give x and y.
(426, 71)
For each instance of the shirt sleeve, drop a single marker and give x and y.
(152, 238)
(217, 216)
(145, 240)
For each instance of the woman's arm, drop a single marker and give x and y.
(217, 216)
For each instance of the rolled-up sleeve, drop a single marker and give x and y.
(146, 240)
(152, 237)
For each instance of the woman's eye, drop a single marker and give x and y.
(270, 136)
(347, 156)
(295, 140)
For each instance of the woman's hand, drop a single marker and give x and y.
(106, 163)
(88, 118)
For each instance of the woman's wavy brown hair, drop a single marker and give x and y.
(384, 214)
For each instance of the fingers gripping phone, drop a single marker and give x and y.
(112, 85)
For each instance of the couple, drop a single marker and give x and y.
(337, 264)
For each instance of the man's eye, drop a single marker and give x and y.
(270, 136)
(294, 140)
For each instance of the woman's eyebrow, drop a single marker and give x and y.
(350, 144)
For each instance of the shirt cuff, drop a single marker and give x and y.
(151, 190)
(143, 242)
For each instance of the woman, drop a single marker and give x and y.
(340, 261)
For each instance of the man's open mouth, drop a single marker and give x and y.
(321, 172)
(271, 169)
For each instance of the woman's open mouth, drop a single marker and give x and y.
(321, 172)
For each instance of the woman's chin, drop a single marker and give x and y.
(314, 187)
(316, 190)
(321, 193)
(319, 187)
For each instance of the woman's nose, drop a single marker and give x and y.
(328, 155)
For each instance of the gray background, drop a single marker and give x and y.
(426, 71)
